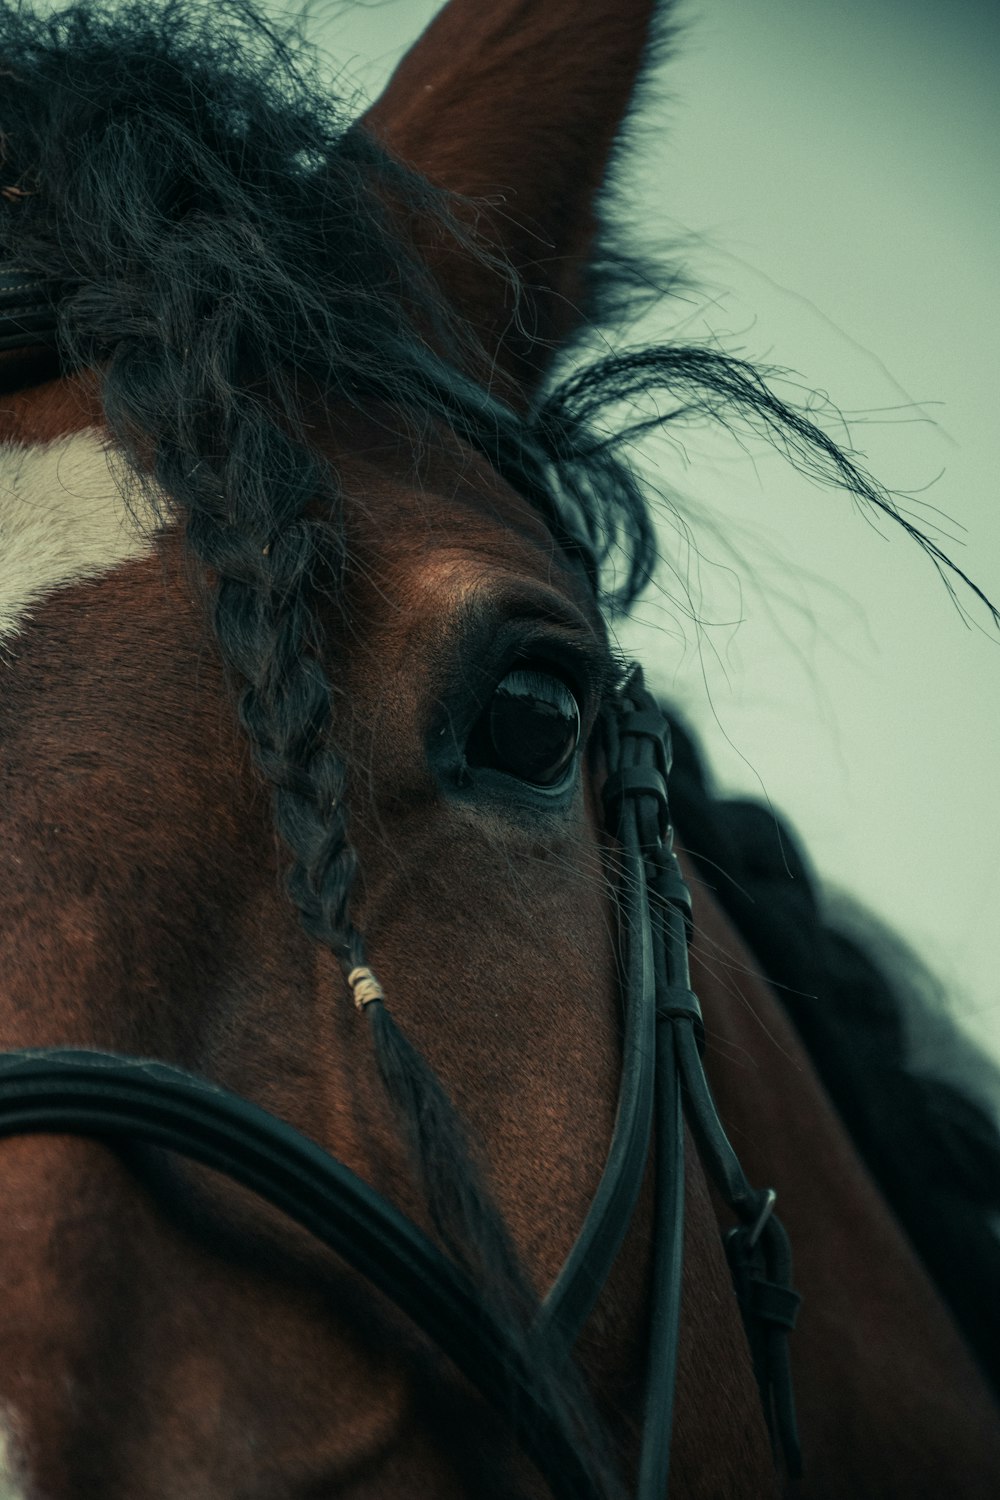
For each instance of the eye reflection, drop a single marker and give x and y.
(531, 728)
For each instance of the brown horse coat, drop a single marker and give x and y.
(165, 1335)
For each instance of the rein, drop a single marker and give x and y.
(62, 1091)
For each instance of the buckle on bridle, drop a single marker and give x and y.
(770, 1198)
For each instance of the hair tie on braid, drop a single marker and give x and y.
(365, 986)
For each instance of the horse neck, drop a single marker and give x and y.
(875, 1353)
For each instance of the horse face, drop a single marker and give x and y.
(146, 915)
(453, 584)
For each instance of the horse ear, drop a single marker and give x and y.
(518, 103)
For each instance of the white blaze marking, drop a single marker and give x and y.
(11, 1471)
(62, 519)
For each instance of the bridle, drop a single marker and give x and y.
(136, 1100)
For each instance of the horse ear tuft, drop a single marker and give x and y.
(517, 105)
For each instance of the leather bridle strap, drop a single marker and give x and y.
(122, 1098)
(586, 1268)
(662, 1046)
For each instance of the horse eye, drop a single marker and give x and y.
(531, 728)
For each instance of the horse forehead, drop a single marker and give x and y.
(404, 491)
(443, 537)
(453, 582)
(429, 548)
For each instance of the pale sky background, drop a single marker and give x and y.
(831, 166)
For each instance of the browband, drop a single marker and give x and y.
(28, 318)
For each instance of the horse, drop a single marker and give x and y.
(348, 963)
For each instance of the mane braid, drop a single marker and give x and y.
(230, 249)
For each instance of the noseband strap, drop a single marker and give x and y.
(128, 1099)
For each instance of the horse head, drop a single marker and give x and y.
(309, 718)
